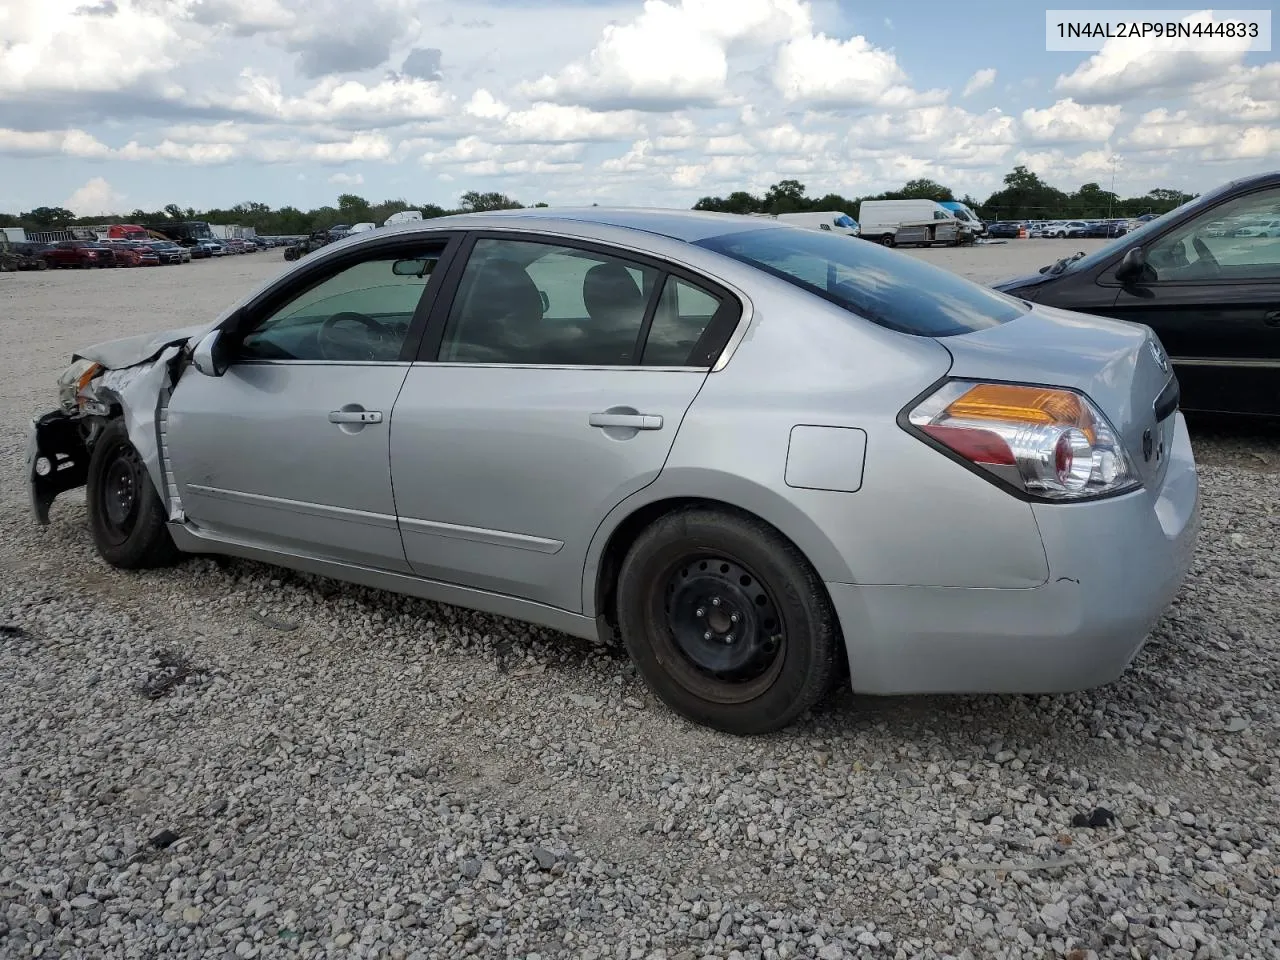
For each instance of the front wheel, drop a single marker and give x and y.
(727, 621)
(125, 513)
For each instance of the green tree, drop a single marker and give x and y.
(48, 217)
(785, 196)
(476, 202)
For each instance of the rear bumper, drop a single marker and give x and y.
(1115, 566)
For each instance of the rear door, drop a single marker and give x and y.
(1213, 297)
(553, 378)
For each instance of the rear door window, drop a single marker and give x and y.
(887, 288)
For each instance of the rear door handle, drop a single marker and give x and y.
(355, 416)
(634, 421)
(1272, 319)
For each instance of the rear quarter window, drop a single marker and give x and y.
(891, 289)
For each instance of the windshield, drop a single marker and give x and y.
(844, 220)
(892, 289)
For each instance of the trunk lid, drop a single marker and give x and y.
(1120, 366)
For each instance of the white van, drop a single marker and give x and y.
(404, 216)
(833, 221)
(882, 219)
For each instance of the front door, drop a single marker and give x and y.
(560, 379)
(288, 450)
(1212, 295)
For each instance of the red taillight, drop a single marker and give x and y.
(1060, 445)
(977, 446)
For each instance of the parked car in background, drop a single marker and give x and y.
(1006, 229)
(212, 248)
(22, 255)
(80, 254)
(943, 487)
(146, 256)
(1260, 228)
(1213, 299)
(168, 251)
(235, 245)
(125, 254)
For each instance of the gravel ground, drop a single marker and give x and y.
(229, 760)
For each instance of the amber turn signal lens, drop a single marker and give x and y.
(1035, 406)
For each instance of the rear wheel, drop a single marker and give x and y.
(125, 513)
(726, 621)
(887, 240)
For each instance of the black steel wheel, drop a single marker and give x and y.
(125, 513)
(726, 620)
(723, 626)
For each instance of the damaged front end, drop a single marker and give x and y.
(60, 442)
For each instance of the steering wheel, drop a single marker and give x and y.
(1206, 255)
(346, 347)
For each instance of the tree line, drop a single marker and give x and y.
(1024, 196)
(265, 220)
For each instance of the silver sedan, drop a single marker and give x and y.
(767, 459)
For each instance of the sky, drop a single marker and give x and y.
(112, 105)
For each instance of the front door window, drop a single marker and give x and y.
(1237, 240)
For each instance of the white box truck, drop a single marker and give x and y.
(833, 221)
(918, 222)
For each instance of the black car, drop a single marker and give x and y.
(1212, 298)
(1005, 228)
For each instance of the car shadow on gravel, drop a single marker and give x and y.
(1247, 443)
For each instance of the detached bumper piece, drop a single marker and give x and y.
(57, 460)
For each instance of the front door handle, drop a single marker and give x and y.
(633, 421)
(1272, 319)
(355, 416)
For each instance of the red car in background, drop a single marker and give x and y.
(79, 253)
(125, 254)
(146, 257)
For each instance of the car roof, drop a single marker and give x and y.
(687, 225)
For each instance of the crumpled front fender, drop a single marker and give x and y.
(139, 392)
(61, 443)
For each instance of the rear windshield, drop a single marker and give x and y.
(895, 290)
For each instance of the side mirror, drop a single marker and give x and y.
(209, 356)
(546, 301)
(1133, 266)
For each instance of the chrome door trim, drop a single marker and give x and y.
(1266, 363)
(497, 538)
(323, 510)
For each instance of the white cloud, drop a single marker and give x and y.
(1126, 68)
(95, 197)
(43, 143)
(557, 123)
(484, 105)
(1068, 171)
(347, 179)
(823, 70)
(981, 80)
(48, 47)
(1163, 130)
(342, 102)
(1070, 122)
(672, 54)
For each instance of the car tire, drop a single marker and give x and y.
(126, 516)
(887, 240)
(726, 621)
